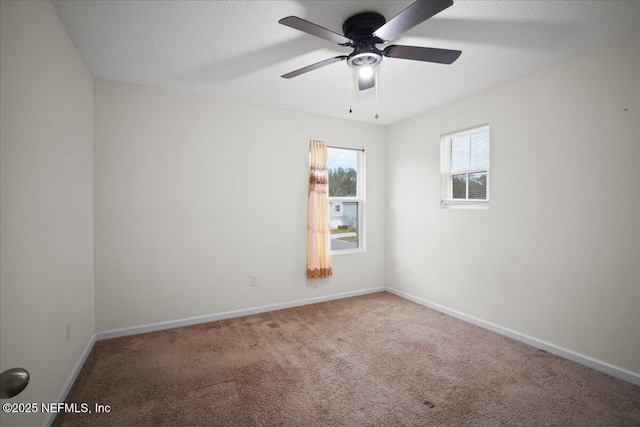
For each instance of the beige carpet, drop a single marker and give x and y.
(375, 360)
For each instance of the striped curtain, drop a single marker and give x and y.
(318, 239)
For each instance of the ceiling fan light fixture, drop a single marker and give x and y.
(364, 59)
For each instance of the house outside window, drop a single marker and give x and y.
(464, 165)
(346, 199)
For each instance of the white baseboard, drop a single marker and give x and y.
(71, 378)
(152, 327)
(582, 359)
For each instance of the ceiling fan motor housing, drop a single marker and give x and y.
(360, 28)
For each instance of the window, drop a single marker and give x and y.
(346, 198)
(464, 163)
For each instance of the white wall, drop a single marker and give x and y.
(46, 201)
(194, 194)
(556, 255)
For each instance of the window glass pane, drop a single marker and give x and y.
(343, 225)
(459, 153)
(459, 184)
(343, 172)
(478, 185)
(480, 149)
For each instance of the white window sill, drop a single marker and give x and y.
(464, 204)
(347, 251)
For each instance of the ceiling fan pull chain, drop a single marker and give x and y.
(350, 91)
(377, 83)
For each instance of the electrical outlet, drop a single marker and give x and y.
(253, 280)
(68, 331)
(408, 270)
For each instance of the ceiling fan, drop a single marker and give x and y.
(364, 31)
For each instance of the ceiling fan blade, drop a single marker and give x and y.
(416, 13)
(427, 54)
(314, 66)
(315, 30)
(368, 83)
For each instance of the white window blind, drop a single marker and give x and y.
(465, 159)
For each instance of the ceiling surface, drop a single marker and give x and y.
(236, 50)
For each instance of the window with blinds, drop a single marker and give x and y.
(465, 168)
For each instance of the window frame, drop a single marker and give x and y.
(446, 173)
(359, 198)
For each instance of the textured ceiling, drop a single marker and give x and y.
(237, 50)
